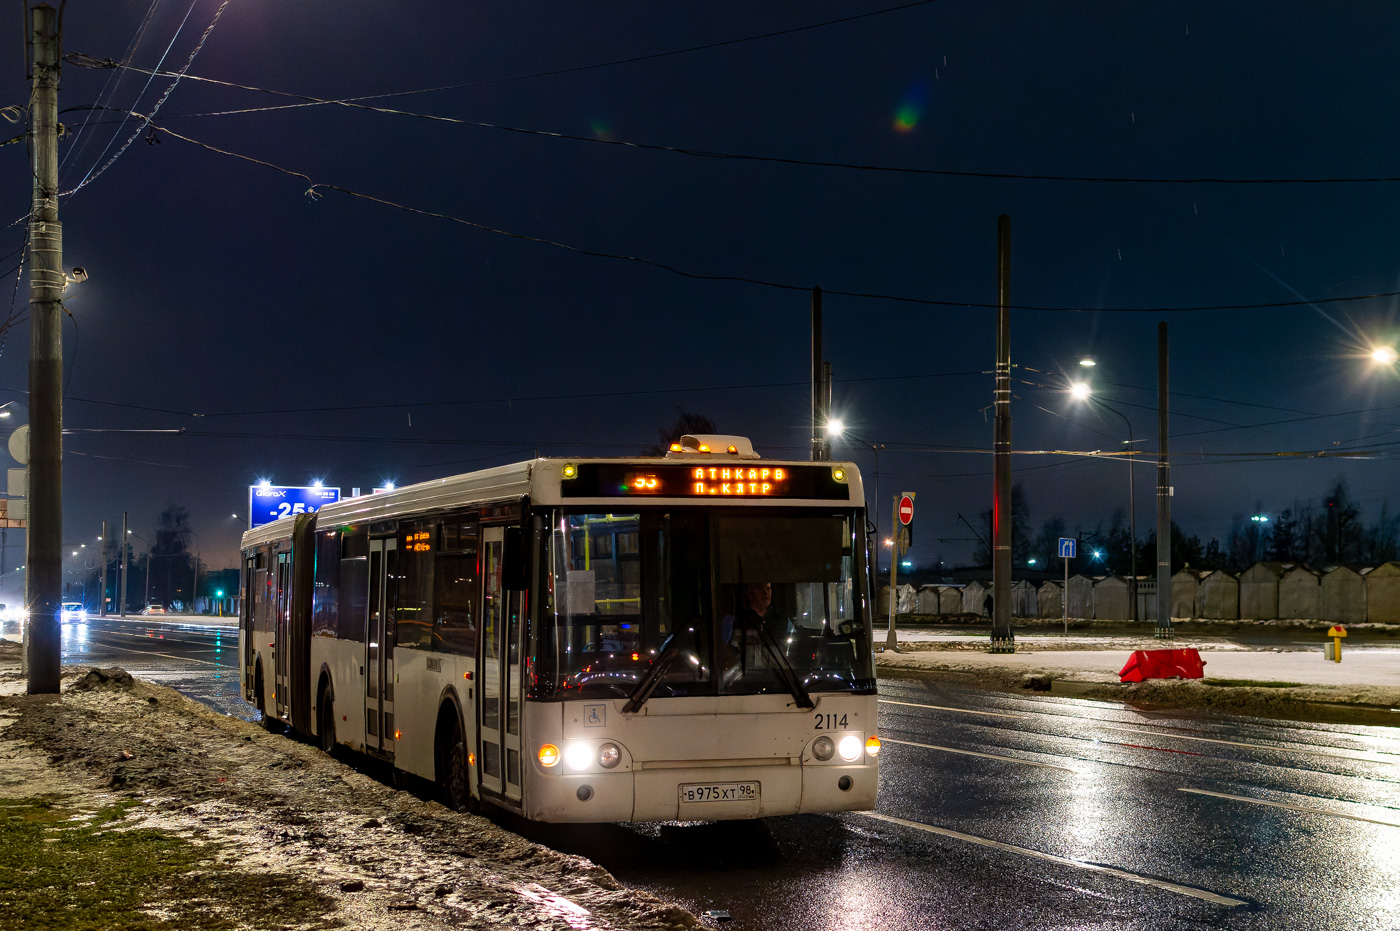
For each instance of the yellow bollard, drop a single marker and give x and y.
(1336, 632)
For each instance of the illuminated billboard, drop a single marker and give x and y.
(267, 503)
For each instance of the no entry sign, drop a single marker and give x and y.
(906, 509)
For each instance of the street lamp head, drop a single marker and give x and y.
(835, 428)
(1088, 362)
(1080, 390)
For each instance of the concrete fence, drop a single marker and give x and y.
(1264, 591)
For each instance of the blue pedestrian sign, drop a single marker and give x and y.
(1067, 547)
(267, 503)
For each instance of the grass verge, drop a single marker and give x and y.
(63, 868)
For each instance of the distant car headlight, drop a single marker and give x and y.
(609, 756)
(823, 748)
(577, 756)
(850, 748)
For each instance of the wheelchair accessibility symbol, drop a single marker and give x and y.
(595, 715)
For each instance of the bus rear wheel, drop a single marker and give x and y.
(325, 727)
(453, 774)
(269, 723)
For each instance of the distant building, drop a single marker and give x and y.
(1111, 599)
(1186, 587)
(1383, 594)
(1219, 597)
(1299, 593)
(1342, 596)
(1259, 590)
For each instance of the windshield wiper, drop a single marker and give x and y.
(785, 670)
(669, 651)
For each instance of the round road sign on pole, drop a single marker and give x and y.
(906, 510)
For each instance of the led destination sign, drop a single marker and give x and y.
(620, 480)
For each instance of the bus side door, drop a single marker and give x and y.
(281, 650)
(379, 647)
(499, 672)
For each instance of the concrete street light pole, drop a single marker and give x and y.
(44, 539)
(1002, 639)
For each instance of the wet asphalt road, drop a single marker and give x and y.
(996, 811)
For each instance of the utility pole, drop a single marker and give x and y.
(818, 389)
(1164, 496)
(44, 542)
(125, 566)
(1002, 639)
(102, 599)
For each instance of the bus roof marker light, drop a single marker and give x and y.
(838, 473)
(570, 470)
(675, 447)
(549, 755)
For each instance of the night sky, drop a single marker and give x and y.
(298, 338)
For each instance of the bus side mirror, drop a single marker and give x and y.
(515, 559)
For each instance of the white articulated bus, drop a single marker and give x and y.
(678, 638)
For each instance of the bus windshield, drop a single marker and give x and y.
(704, 602)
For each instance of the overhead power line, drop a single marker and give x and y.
(89, 61)
(355, 103)
(314, 189)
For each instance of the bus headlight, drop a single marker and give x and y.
(609, 756)
(577, 756)
(823, 748)
(850, 748)
(549, 755)
(872, 745)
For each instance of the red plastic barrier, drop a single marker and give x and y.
(1163, 664)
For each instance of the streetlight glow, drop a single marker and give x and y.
(1080, 390)
(1088, 362)
(835, 427)
(1385, 355)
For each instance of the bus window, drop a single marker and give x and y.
(455, 589)
(354, 584)
(326, 588)
(413, 610)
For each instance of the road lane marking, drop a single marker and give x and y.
(190, 659)
(1340, 753)
(1352, 755)
(1063, 861)
(989, 756)
(910, 704)
(1303, 808)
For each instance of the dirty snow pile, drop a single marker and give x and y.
(383, 858)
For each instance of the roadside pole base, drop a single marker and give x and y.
(892, 644)
(1003, 644)
(1163, 633)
